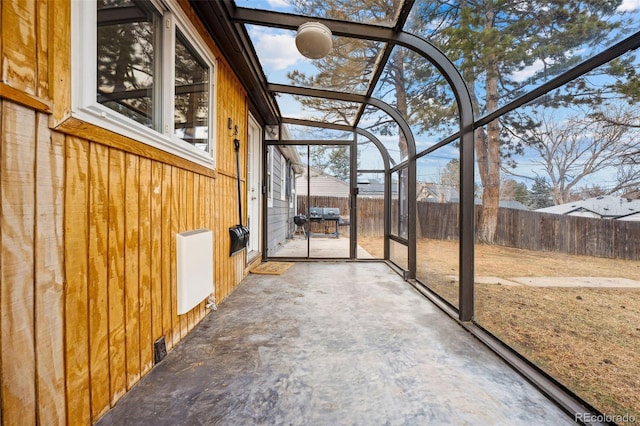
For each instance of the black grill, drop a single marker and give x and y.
(315, 213)
(331, 213)
(300, 219)
(325, 220)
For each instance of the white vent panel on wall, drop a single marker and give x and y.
(194, 253)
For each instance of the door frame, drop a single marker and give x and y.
(254, 188)
(273, 144)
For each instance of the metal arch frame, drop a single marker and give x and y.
(385, 157)
(410, 163)
(346, 128)
(384, 153)
(351, 97)
(387, 185)
(394, 37)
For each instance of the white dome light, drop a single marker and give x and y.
(314, 40)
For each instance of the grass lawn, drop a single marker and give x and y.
(587, 338)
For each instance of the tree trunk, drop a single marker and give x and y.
(401, 105)
(491, 186)
(488, 223)
(123, 61)
(401, 98)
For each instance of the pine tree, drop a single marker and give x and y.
(490, 40)
(540, 194)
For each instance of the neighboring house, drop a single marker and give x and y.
(509, 204)
(437, 193)
(321, 184)
(374, 188)
(371, 188)
(604, 207)
(631, 217)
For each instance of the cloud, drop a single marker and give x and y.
(279, 4)
(629, 5)
(277, 51)
(538, 64)
(529, 71)
(266, 4)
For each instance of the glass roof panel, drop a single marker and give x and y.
(347, 68)
(378, 12)
(299, 132)
(412, 85)
(317, 109)
(520, 45)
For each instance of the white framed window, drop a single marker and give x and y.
(283, 178)
(291, 185)
(270, 176)
(140, 69)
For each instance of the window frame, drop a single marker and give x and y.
(283, 177)
(84, 104)
(269, 170)
(291, 191)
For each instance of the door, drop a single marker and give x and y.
(328, 180)
(254, 155)
(308, 204)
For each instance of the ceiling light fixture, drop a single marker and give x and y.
(314, 40)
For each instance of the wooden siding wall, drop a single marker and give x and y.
(122, 214)
(88, 224)
(31, 265)
(232, 104)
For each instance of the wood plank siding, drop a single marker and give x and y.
(88, 224)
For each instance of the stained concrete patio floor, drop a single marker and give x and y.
(319, 247)
(331, 343)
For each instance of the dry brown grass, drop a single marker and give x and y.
(587, 338)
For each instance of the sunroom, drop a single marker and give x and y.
(471, 116)
(349, 139)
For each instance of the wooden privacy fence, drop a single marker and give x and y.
(341, 203)
(583, 236)
(615, 239)
(371, 211)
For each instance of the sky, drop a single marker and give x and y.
(277, 47)
(629, 5)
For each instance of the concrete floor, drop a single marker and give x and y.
(319, 247)
(331, 344)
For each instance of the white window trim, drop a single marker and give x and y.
(270, 176)
(85, 107)
(283, 178)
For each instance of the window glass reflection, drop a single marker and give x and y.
(126, 56)
(191, 96)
